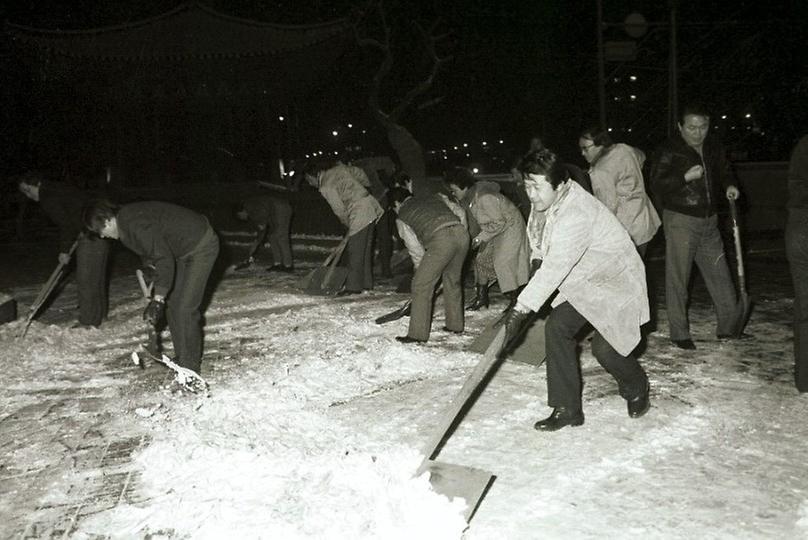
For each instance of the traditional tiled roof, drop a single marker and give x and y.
(188, 31)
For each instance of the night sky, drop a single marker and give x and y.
(530, 67)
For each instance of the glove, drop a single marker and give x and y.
(64, 258)
(535, 264)
(154, 311)
(513, 321)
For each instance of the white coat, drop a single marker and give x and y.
(590, 259)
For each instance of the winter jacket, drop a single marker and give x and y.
(590, 259)
(502, 226)
(697, 198)
(161, 233)
(350, 201)
(64, 205)
(268, 211)
(617, 182)
(419, 218)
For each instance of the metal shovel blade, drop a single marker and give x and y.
(324, 281)
(453, 481)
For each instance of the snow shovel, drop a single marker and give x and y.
(403, 311)
(250, 259)
(187, 378)
(527, 347)
(457, 480)
(744, 308)
(328, 278)
(46, 290)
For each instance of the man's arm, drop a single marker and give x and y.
(411, 242)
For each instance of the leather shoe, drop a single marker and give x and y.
(640, 404)
(560, 418)
(447, 329)
(686, 344)
(408, 339)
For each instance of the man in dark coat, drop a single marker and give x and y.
(689, 174)
(797, 252)
(64, 204)
(182, 247)
(271, 215)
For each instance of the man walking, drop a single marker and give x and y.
(689, 174)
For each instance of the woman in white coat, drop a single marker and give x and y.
(587, 256)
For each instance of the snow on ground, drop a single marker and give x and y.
(316, 418)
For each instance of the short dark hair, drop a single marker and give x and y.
(398, 195)
(695, 109)
(598, 136)
(97, 213)
(545, 163)
(460, 177)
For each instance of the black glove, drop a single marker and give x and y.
(513, 321)
(535, 264)
(153, 313)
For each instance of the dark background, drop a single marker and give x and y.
(518, 69)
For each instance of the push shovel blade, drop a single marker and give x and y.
(452, 481)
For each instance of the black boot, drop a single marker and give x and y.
(480, 300)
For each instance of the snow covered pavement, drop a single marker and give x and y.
(316, 416)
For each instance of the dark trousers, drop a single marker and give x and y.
(359, 252)
(91, 279)
(443, 258)
(797, 252)
(691, 239)
(563, 370)
(384, 240)
(184, 319)
(280, 245)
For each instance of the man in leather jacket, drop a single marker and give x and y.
(689, 174)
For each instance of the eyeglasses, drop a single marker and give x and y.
(585, 148)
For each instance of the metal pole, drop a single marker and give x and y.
(601, 67)
(673, 76)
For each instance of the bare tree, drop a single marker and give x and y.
(409, 151)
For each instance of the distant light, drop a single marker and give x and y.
(336, 153)
(465, 145)
(723, 117)
(281, 118)
(485, 143)
(454, 147)
(632, 97)
(445, 157)
(609, 129)
(468, 155)
(307, 156)
(475, 170)
(617, 98)
(321, 152)
(617, 79)
(335, 133)
(748, 115)
(629, 130)
(350, 126)
(632, 78)
(364, 131)
(290, 173)
(501, 141)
